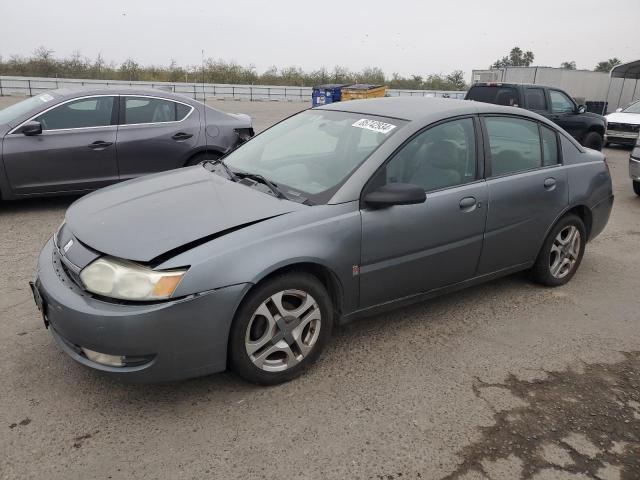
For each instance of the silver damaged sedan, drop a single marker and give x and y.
(332, 214)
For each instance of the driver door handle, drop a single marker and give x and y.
(468, 204)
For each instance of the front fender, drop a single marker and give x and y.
(327, 235)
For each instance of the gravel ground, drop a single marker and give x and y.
(505, 380)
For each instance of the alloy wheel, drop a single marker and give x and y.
(283, 330)
(565, 251)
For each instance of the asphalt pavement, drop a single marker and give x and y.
(505, 380)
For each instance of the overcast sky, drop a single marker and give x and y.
(408, 37)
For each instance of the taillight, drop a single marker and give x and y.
(606, 164)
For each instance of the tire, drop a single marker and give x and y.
(201, 157)
(593, 140)
(557, 261)
(636, 187)
(268, 348)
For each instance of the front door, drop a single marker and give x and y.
(155, 135)
(409, 249)
(564, 113)
(75, 152)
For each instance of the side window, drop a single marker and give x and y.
(153, 110)
(536, 99)
(442, 156)
(514, 144)
(83, 113)
(560, 103)
(549, 146)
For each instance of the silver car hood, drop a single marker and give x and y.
(143, 219)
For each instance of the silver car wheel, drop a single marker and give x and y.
(283, 330)
(565, 251)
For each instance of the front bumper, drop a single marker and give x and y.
(634, 169)
(621, 138)
(169, 340)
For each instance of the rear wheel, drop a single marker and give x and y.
(280, 329)
(202, 157)
(594, 140)
(636, 187)
(561, 252)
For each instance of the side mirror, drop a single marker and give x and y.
(31, 128)
(581, 109)
(618, 109)
(395, 194)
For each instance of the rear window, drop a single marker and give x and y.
(153, 110)
(498, 95)
(536, 99)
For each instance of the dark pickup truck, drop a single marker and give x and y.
(553, 103)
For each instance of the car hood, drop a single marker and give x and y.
(4, 129)
(621, 117)
(143, 219)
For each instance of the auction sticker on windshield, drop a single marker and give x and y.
(374, 125)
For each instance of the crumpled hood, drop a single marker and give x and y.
(619, 117)
(144, 218)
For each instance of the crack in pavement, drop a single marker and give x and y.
(574, 423)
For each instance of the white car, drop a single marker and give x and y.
(624, 124)
(634, 167)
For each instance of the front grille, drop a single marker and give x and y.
(65, 274)
(623, 127)
(61, 263)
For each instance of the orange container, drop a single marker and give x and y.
(363, 90)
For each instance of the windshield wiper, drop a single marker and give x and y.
(218, 161)
(259, 178)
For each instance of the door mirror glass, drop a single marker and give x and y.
(395, 194)
(31, 128)
(582, 109)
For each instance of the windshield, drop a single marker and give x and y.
(633, 108)
(313, 152)
(7, 115)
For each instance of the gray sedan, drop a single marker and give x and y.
(66, 141)
(335, 213)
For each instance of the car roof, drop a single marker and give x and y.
(67, 93)
(425, 109)
(510, 84)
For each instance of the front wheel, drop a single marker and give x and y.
(593, 140)
(280, 329)
(561, 252)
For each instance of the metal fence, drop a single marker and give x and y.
(30, 86)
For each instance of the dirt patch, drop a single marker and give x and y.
(582, 423)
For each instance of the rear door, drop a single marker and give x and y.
(155, 134)
(527, 186)
(409, 249)
(75, 152)
(536, 100)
